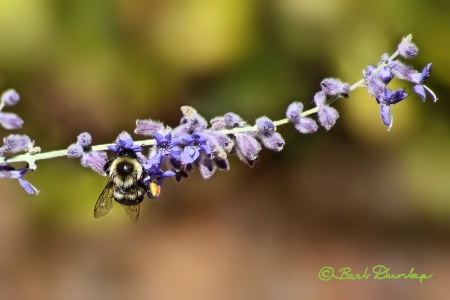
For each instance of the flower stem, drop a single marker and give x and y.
(31, 158)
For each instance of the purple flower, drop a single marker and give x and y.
(218, 123)
(407, 49)
(385, 74)
(154, 174)
(195, 143)
(327, 115)
(82, 145)
(232, 120)
(302, 124)
(6, 171)
(10, 121)
(10, 97)
(385, 57)
(75, 151)
(386, 115)
(389, 98)
(403, 71)
(125, 142)
(419, 79)
(392, 97)
(191, 122)
(166, 145)
(84, 139)
(96, 160)
(334, 87)
(265, 125)
(15, 143)
(148, 127)
(271, 139)
(220, 145)
(247, 148)
(375, 85)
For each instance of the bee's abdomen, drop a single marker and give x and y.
(132, 195)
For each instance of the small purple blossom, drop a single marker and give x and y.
(326, 114)
(271, 139)
(74, 151)
(402, 71)
(82, 145)
(247, 148)
(7, 171)
(10, 97)
(96, 160)
(194, 144)
(84, 139)
(191, 122)
(385, 74)
(148, 127)
(302, 124)
(10, 121)
(124, 141)
(385, 57)
(335, 87)
(265, 125)
(218, 123)
(407, 49)
(389, 98)
(232, 120)
(219, 142)
(386, 115)
(419, 79)
(392, 97)
(293, 113)
(15, 143)
(156, 175)
(407, 73)
(166, 145)
(374, 84)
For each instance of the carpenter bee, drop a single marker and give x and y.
(125, 185)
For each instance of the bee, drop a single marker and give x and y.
(125, 185)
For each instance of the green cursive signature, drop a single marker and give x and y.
(378, 272)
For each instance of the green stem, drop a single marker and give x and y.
(32, 158)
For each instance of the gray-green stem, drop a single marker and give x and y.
(31, 159)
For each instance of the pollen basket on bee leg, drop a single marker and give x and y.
(154, 189)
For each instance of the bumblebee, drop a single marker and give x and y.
(125, 185)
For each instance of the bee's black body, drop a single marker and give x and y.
(125, 185)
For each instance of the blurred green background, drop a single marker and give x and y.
(355, 196)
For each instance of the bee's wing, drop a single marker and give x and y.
(132, 211)
(104, 202)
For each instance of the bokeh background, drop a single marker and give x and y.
(355, 196)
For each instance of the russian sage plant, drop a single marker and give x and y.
(194, 142)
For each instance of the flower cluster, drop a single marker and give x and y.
(377, 78)
(197, 143)
(15, 143)
(96, 160)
